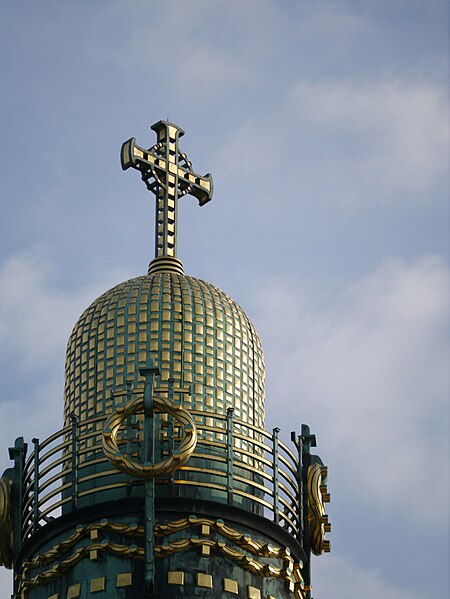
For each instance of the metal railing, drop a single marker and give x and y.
(234, 462)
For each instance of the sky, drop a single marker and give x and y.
(325, 127)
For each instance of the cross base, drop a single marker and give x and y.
(165, 264)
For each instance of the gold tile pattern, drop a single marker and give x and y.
(191, 328)
(124, 579)
(230, 586)
(253, 593)
(204, 580)
(74, 591)
(97, 584)
(175, 577)
(93, 555)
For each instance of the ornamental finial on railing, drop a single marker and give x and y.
(168, 174)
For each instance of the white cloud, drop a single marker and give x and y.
(370, 371)
(395, 130)
(37, 413)
(348, 142)
(336, 576)
(36, 316)
(190, 47)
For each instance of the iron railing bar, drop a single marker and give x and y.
(101, 489)
(55, 506)
(200, 470)
(97, 475)
(290, 495)
(289, 466)
(200, 483)
(50, 481)
(53, 465)
(258, 458)
(253, 498)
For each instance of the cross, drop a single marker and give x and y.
(168, 174)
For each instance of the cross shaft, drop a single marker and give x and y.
(168, 174)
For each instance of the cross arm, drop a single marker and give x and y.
(202, 188)
(132, 155)
(143, 160)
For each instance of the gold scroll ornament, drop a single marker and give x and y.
(317, 517)
(173, 462)
(6, 524)
(289, 571)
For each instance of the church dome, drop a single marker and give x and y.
(195, 333)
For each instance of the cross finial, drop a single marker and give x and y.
(168, 174)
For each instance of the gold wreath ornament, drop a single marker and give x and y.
(173, 462)
(6, 524)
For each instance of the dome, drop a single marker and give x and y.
(196, 334)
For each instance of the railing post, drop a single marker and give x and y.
(170, 434)
(303, 442)
(129, 423)
(36, 485)
(297, 440)
(276, 497)
(149, 371)
(301, 488)
(18, 454)
(230, 456)
(129, 396)
(74, 461)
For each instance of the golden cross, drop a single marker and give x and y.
(167, 173)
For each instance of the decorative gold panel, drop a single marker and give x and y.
(230, 586)
(124, 579)
(97, 584)
(317, 496)
(253, 593)
(204, 580)
(74, 591)
(175, 577)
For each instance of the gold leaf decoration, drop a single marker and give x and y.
(178, 458)
(6, 524)
(317, 517)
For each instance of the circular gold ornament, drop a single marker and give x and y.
(123, 463)
(6, 524)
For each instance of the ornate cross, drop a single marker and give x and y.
(167, 173)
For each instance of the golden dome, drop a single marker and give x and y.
(196, 334)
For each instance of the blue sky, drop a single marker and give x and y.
(325, 127)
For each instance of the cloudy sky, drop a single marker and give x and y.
(325, 126)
